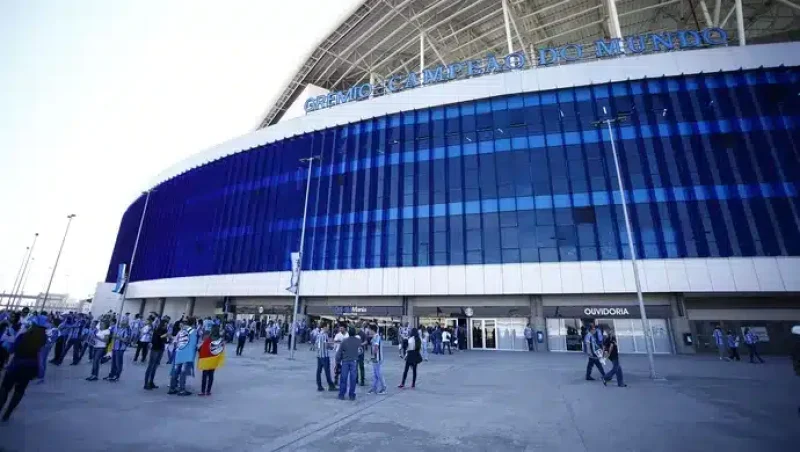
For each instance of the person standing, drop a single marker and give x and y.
(242, 338)
(613, 356)
(268, 337)
(751, 339)
(529, 337)
(337, 344)
(733, 346)
(404, 332)
(145, 336)
(446, 341)
(378, 382)
(64, 328)
(361, 351)
(101, 338)
(23, 366)
(51, 333)
(347, 357)
(413, 358)
(185, 351)
(122, 336)
(211, 357)
(719, 340)
(426, 338)
(593, 351)
(157, 346)
(323, 359)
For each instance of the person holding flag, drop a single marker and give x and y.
(121, 335)
(210, 357)
(185, 351)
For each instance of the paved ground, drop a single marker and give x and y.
(471, 401)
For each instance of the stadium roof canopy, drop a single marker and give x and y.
(384, 37)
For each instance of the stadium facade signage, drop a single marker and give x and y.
(603, 48)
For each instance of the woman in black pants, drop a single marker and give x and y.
(23, 367)
(413, 358)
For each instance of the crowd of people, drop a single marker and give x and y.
(29, 339)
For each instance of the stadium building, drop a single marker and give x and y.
(462, 170)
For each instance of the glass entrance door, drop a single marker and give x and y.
(483, 334)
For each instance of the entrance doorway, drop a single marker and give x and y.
(483, 334)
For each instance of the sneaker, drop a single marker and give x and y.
(152, 386)
(605, 382)
(106, 378)
(382, 392)
(184, 393)
(91, 378)
(341, 397)
(401, 386)
(113, 379)
(148, 388)
(201, 394)
(370, 392)
(589, 379)
(332, 388)
(172, 392)
(623, 386)
(320, 389)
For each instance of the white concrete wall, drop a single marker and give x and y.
(712, 275)
(104, 299)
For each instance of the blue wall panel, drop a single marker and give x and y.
(711, 164)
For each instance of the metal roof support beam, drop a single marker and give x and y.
(422, 55)
(519, 38)
(740, 23)
(727, 17)
(706, 15)
(717, 8)
(420, 29)
(790, 4)
(613, 19)
(634, 11)
(506, 22)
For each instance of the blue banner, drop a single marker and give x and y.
(121, 278)
(185, 345)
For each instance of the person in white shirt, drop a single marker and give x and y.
(337, 342)
(446, 341)
(426, 336)
(101, 337)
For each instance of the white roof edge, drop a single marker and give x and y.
(530, 80)
(338, 23)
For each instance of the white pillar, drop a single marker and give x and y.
(706, 15)
(507, 21)
(740, 22)
(422, 56)
(613, 18)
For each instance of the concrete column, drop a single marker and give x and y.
(507, 21)
(161, 303)
(538, 322)
(740, 22)
(408, 311)
(679, 323)
(422, 57)
(142, 302)
(190, 306)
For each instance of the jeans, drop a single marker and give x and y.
(99, 352)
(77, 350)
(594, 362)
(348, 377)
(152, 365)
(178, 379)
(721, 350)
(57, 357)
(754, 353)
(116, 363)
(616, 370)
(16, 379)
(240, 345)
(141, 347)
(447, 346)
(324, 363)
(530, 343)
(437, 347)
(44, 352)
(84, 347)
(735, 353)
(413, 374)
(425, 351)
(378, 383)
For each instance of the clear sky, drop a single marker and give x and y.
(99, 96)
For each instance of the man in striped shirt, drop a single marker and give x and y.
(323, 360)
(378, 383)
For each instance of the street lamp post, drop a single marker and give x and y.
(24, 268)
(299, 264)
(621, 186)
(16, 279)
(133, 256)
(58, 256)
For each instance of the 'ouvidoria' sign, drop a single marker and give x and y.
(603, 48)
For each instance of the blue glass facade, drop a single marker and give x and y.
(711, 164)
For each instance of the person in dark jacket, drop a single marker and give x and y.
(413, 358)
(24, 366)
(347, 356)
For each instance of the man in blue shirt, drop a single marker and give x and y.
(323, 359)
(378, 383)
(751, 339)
(719, 340)
(593, 351)
(64, 330)
(121, 335)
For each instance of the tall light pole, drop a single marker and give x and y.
(58, 256)
(133, 256)
(24, 268)
(621, 187)
(16, 279)
(299, 265)
(25, 281)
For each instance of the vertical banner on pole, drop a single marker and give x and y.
(122, 278)
(295, 257)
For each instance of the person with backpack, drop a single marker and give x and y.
(751, 339)
(413, 358)
(613, 356)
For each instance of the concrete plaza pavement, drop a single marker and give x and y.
(470, 401)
